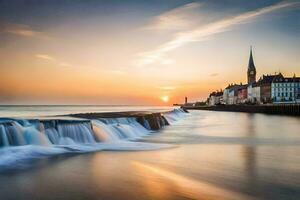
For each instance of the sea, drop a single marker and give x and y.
(200, 155)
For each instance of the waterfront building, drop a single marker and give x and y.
(228, 95)
(253, 90)
(225, 94)
(242, 94)
(249, 93)
(215, 98)
(233, 94)
(265, 83)
(251, 72)
(286, 90)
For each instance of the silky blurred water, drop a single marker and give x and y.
(216, 155)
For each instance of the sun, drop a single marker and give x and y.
(165, 98)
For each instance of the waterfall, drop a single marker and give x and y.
(22, 141)
(35, 137)
(11, 134)
(3, 137)
(20, 132)
(77, 133)
(174, 115)
(119, 129)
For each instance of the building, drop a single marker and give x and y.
(227, 99)
(225, 94)
(215, 98)
(265, 83)
(286, 90)
(251, 72)
(233, 94)
(242, 94)
(253, 90)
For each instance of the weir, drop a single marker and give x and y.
(85, 129)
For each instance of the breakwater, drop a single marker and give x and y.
(150, 120)
(283, 109)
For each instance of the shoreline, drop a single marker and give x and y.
(289, 110)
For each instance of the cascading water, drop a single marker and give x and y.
(14, 134)
(27, 139)
(75, 133)
(120, 128)
(174, 115)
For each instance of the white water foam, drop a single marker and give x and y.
(25, 141)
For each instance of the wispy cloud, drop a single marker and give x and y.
(176, 19)
(45, 57)
(201, 33)
(53, 60)
(21, 30)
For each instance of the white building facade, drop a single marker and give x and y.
(286, 90)
(254, 93)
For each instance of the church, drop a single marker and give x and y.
(258, 91)
(251, 72)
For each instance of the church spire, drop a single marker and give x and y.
(251, 66)
(251, 73)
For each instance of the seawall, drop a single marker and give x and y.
(156, 120)
(284, 109)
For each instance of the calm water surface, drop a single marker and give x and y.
(216, 155)
(51, 110)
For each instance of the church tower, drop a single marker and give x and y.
(251, 73)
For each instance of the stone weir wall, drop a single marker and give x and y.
(284, 109)
(155, 120)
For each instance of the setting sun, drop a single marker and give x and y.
(165, 98)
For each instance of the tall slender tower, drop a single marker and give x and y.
(251, 73)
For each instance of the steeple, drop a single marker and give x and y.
(251, 72)
(251, 65)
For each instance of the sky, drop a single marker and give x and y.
(154, 52)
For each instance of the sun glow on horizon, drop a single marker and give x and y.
(165, 99)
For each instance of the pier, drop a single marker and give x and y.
(282, 109)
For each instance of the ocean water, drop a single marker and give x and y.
(52, 110)
(209, 155)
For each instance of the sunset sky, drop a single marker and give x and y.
(140, 52)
